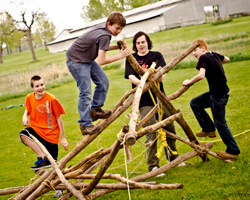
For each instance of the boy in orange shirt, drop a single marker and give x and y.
(45, 123)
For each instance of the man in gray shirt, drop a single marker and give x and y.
(80, 59)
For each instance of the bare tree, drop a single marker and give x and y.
(24, 15)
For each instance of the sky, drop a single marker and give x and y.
(64, 14)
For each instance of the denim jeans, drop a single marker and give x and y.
(83, 73)
(152, 159)
(217, 105)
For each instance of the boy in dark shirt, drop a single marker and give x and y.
(210, 66)
(80, 59)
(142, 46)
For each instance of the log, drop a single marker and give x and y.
(193, 145)
(135, 107)
(103, 168)
(147, 117)
(85, 160)
(178, 93)
(151, 174)
(159, 125)
(164, 99)
(58, 171)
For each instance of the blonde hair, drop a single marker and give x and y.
(202, 43)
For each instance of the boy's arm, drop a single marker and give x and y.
(196, 78)
(133, 79)
(63, 141)
(102, 59)
(26, 120)
(226, 59)
(115, 46)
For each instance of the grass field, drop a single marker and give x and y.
(212, 180)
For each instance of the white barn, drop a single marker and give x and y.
(159, 16)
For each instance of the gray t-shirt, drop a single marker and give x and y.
(85, 48)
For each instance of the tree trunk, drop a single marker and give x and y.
(1, 53)
(31, 45)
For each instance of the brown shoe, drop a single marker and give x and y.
(206, 134)
(99, 114)
(226, 155)
(89, 129)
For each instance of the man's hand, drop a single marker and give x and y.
(186, 82)
(161, 79)
(125, 52)
(64, 143)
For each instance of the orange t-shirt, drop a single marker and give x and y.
(43, 113)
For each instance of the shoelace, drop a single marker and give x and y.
(39, 161)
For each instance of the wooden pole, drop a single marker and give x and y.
(103, 168)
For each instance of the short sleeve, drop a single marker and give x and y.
(160, 60)
(27, 103)
(103, 42)
(57, 108)
(221, 57)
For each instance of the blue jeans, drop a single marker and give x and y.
(83, 73)
(217, 105)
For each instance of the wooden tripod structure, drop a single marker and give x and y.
(56, 178)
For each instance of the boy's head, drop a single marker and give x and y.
(140, 39)
(115, 23)
(38, 86)
(200, 50)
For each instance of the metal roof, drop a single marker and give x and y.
(132, 16)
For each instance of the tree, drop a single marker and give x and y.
(45, 29)
(24, 21)
(135, 4)
(93, 11)
(97, 9)
(6, 28)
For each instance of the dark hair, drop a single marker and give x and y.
(139, 34)
(116, 18)
(34, 78)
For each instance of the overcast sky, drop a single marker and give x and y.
(64, 14)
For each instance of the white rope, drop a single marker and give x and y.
(126, 170)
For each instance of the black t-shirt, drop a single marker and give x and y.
(215, 74)
(148, 59)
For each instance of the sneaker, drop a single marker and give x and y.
(206, 134)
(41, 163)
(182, 164)
(99, 114)
(58, 193)
(92, 129)
(226, 155)
(159, 175)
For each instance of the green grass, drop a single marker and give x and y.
(210, 181)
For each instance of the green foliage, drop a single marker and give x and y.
(97, 9)
(45, 29)
(239, 57)
(221, 21)
(228, 38)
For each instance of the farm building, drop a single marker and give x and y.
(159, 16)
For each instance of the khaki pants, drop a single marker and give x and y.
(151, 151)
